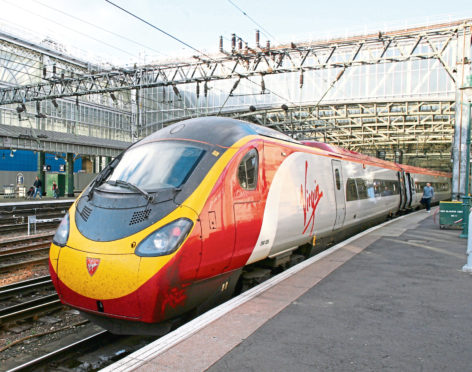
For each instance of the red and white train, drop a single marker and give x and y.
(172, 225)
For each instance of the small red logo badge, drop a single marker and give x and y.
(92, 265)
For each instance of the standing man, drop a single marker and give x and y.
(55, 190)
(428, 193)
(38, 188)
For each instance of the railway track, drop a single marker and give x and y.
(14, 218)
(18, 260)
(58, 357)
(23, 252)
(24, 226)
(30, 309)
(26, 287)
(21, 242)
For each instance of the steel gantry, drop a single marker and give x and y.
(391, 91)
(426, 43)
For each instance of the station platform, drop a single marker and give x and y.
(391, 298)
(44, 200)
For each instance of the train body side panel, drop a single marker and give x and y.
(300, 204)
(375, 204)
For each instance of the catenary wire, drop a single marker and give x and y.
(253, 21)
(71, 29)
(101, 28)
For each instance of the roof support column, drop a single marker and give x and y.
(41, 172)
(70, 174)
(461, 123)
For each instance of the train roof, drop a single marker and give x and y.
(225, 132)
(355, 156)
(220, 131)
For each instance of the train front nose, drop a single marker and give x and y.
(102, 283)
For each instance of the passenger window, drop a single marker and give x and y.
(338, 179)
(361, 188)
(247, 171)
(351, 190)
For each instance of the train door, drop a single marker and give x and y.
(401, 181)
(338, 193)
(408, 189)
(248, 208)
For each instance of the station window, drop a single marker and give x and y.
(247, 171)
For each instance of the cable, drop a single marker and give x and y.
(71, 29)
(101, 28)
(155, 27)
(253, 21)
(191, 47)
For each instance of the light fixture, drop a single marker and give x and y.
(113, 97)
(54, 102)
(11, 154)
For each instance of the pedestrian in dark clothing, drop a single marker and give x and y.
(38, 185)
(55, 190)
(428, 193)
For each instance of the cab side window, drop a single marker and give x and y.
(247, 170)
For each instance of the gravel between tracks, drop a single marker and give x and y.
(29, 348)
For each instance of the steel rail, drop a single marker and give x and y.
(23, 240)
(21, 251)
(21, 226)
(25, 286)
(10, 266)
(30, 309)
(97, 338)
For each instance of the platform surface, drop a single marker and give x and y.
(394, 299)
(5, 202)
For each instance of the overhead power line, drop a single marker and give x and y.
(155, 27)
(69, 28)
(191, 47)
(100, 28)
(253, 21)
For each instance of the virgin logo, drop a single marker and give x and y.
(310, 196)
(92, 265)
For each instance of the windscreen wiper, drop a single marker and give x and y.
(129, 185)
(102, 176)
(98, 181)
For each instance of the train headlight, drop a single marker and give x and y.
(165, 240)
(62, 233)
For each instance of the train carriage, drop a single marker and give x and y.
(174, 223)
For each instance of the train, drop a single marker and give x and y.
(180, 220)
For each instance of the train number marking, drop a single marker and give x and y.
(309, 199)
(264, 242)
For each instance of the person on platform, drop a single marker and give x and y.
(38, 188)
(55, 190)
(428, 193)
